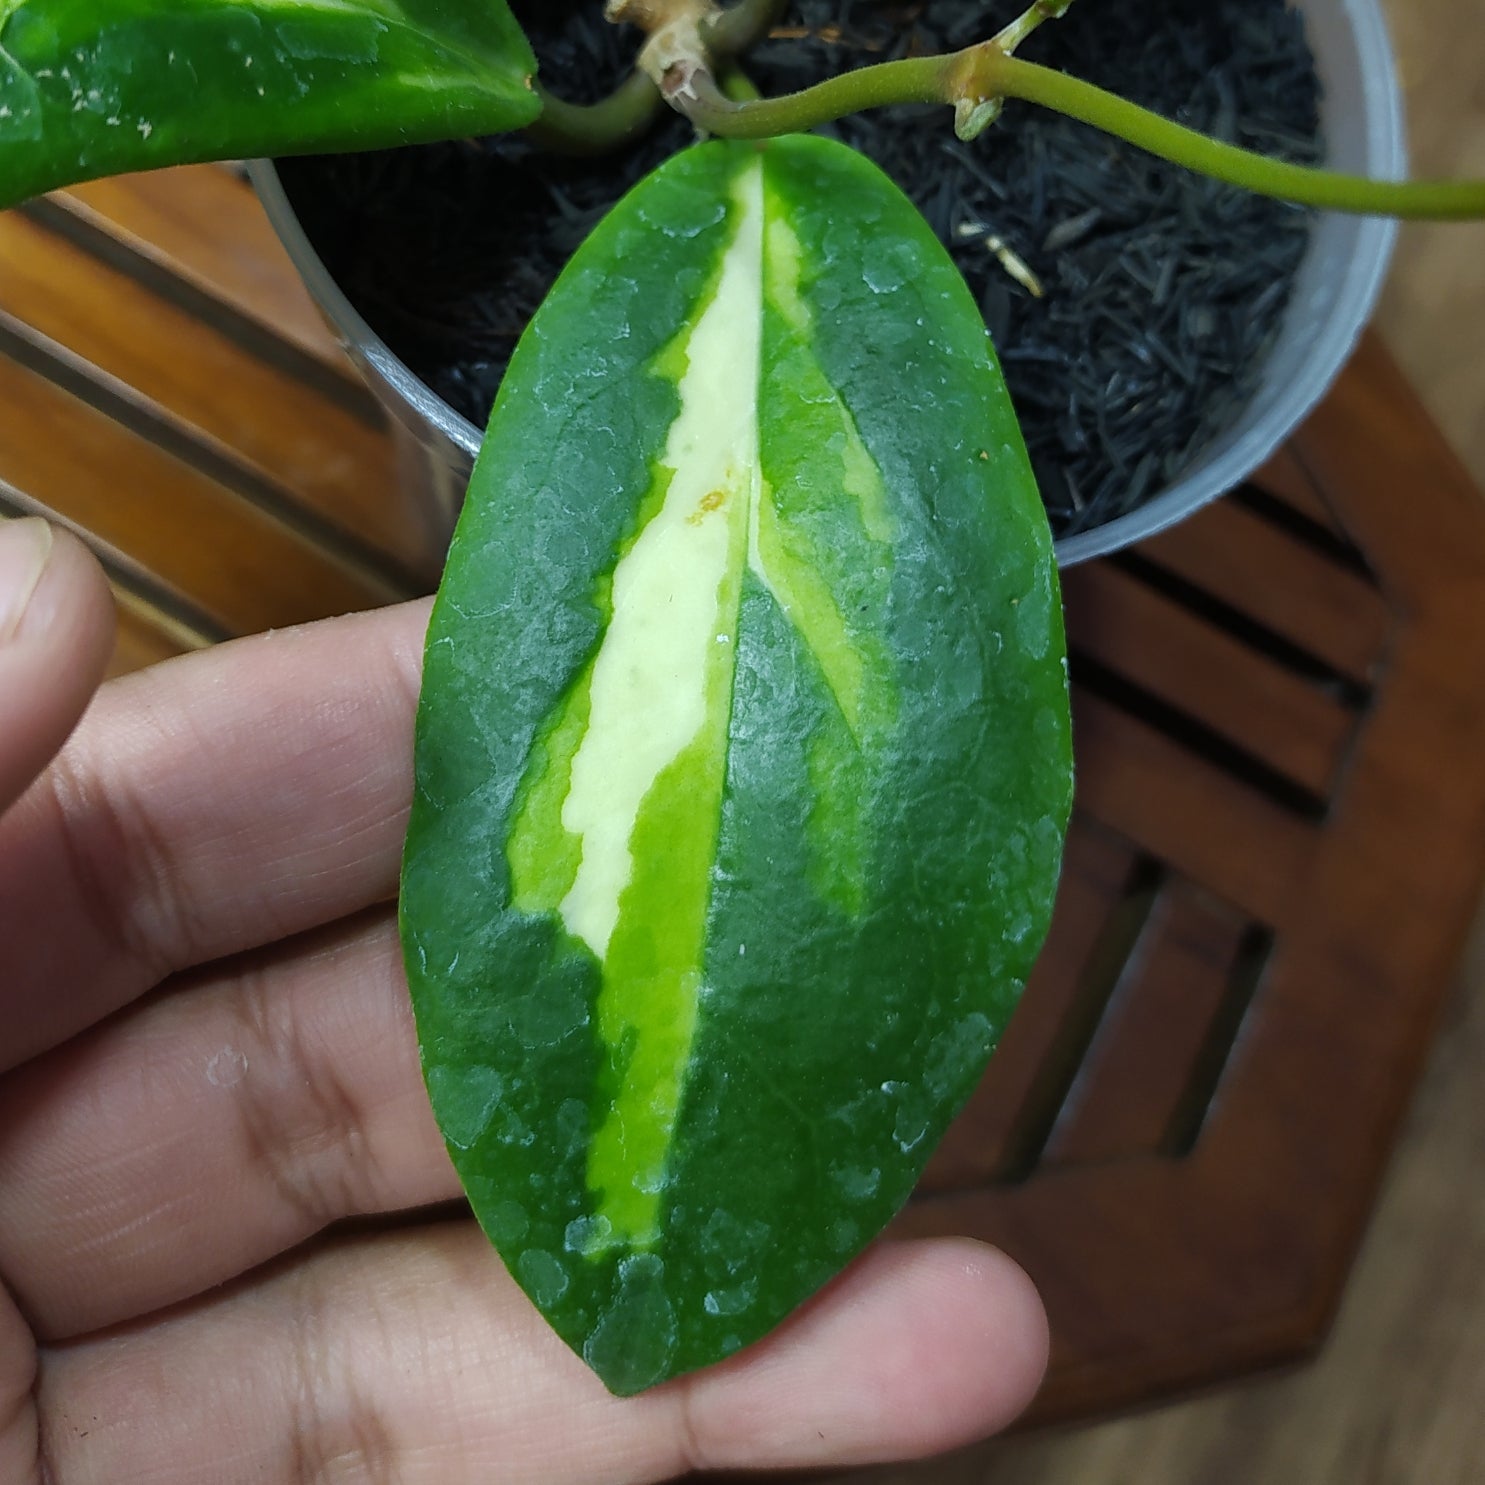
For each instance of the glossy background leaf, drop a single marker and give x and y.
(96, 87)
(677, 1122)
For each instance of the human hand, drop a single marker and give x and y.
(207, 1057)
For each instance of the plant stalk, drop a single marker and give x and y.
(741, 26)
(590, 129)
(1033, 17)
(975, 80)
(1304, 185)
(585, 129)
(911, 80)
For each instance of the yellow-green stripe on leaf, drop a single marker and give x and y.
(742, 772)
(644, 775)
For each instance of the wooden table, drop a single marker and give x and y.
(1280, 712)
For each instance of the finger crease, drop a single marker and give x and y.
(344, 1442)
(302, 1126)
(694, 1457)
(112, 851)
(21, 1411)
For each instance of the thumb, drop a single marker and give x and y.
(56, 634)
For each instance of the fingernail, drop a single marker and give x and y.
(25, 546)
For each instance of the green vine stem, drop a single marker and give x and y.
(734, 30)
(975, 81)
(1304, 185)
(579, 129)
(912, 80)
(1035, 15)
(596, 128)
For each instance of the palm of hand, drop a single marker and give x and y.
(207, 1058)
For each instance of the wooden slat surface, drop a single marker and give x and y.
(1134, 1084)
(249, 572)
(141, 640)
(1170, 1262)
(1138, 781)
(1012, 1111)
(244, 408)
(1280, 735)
(1319, 606)
(1286, 478)
(203, 226)
(1187, 661)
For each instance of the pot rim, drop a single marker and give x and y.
(1355, 301)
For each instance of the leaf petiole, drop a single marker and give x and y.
(1304, 185)
(1019, 29)
(596, 128)
(586, 129)
(976, 80)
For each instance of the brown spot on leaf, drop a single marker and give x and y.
(714, 501)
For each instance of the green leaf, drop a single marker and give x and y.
(743, 757)
(96, 87)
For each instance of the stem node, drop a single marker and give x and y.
(692, 42)
(972, 116)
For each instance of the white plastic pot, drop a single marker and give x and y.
(1334, 296)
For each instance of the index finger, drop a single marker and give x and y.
(56, 630)
(217, 802)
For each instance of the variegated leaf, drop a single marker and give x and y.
(95, 87)
(743, 757)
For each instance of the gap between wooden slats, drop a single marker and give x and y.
(1189, 813)
(1132, 1087)
(1299, 527)
(205, 227)
(1008, 1115)
(252, 427)
(1290, 724)
(1284, 478)
(242, 569)
(140, 641)
(154, 621)
(236, 481)
(1320, 606)
(1406, 496)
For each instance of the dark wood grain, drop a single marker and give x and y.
(1186, 810)
(1286, 479)
(1101, 905)
(1167, 1267)
(1135, 1082)
(143, 638)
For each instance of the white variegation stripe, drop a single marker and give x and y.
(648, 693)
(658, 693)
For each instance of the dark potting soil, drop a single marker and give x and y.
(1162, 292)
